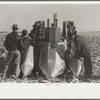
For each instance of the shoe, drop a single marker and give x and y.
(13, 77)
(74, 80)
(24, 78)
(55, 80)
(86, 79)
(31, 77)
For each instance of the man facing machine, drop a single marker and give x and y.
(13, 45)
(83, 49)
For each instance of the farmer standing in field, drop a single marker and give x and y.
(35, 32)
(13, 45)
(23, 51)
(83, 50)
(27, 41)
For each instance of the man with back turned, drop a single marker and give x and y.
(13, 45)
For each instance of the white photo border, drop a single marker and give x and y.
(51, 91)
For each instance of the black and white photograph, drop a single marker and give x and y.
(50, 50)
(49, 43)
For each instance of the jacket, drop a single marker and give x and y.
(13, 42)
(83, 48)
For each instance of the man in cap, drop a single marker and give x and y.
(23, 38)
(27, 41)
(24, 34)
(13, 45)
(35, 34)
(83, 50)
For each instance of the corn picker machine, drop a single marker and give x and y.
(52, 44)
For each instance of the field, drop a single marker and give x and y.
(94, 40)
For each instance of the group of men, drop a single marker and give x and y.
(17, 49)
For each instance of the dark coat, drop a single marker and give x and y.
(13, 42)
(83, 48)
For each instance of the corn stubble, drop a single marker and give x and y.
(94, 40)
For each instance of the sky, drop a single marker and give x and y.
(85, 16)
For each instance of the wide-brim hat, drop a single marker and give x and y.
(15, 26)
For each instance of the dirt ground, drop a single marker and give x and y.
(94, 40)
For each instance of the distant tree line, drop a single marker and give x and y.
(7, 32)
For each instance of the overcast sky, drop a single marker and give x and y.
(85, 16)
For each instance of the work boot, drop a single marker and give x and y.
(24, 78)
(13, 77)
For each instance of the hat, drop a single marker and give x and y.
(15, 26)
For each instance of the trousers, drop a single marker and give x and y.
(13, 58)
(36, 61)
(88, 66)
(87, 63)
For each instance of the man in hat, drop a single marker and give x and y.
(13, 45)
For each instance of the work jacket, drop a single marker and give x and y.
(13, 42)
(83, 48)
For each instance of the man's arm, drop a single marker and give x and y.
(6, 41)
(78, 45)
(20, 44)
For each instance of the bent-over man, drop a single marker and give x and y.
(83, 50)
